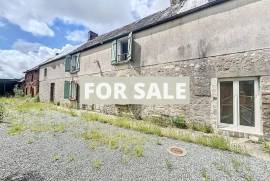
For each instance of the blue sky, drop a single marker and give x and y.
(33, 30)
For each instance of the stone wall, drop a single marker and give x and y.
(265, 97)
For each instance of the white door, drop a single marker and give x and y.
(239, 105)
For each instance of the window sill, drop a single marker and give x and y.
(122, 62)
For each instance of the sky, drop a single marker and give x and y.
(32, 31)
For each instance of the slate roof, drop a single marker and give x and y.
(171, 13)
(177, 11)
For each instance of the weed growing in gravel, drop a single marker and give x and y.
(158, 142)
(236, 165)
(267, 147)
(56, 157)
(124, 160)
(96, 164)
(30, 141)
(222, 167)
(138, 151)
(94, 135)
(71, 157)
(169, 165)
(93, 146)
(16, 128)
(205, 175)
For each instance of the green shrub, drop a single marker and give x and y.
(179, 122)
(2, 112)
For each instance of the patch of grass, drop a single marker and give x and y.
(222, 167)
(169, 165)
(201, 127)
(158, 142)
(138, 151)
(94, 135)
(71, 157)
(96, 164)
(47, 127)
(93, 146)
(236, 165)
(30, 141)
(205, 175)
(16, 128)
(267, 147)
(58, 127)
(56, 157)
(112, 143)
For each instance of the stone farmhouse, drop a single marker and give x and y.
(31, 86)
(222, 45)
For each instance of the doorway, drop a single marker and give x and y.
(52, 92)
(239, 105)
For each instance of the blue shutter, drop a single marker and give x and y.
(130, 42)
(114, 52)
(66, 90)
(67, 63)
(78, 62)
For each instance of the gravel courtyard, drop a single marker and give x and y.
(70, 148)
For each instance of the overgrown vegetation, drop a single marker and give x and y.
(169, 165)
(96, 164)
(2, 112)
(16, 128)
(214, 141)
(205, 175)
(267, 147)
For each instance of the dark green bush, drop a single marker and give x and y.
(179, 122)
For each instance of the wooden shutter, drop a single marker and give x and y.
(66, 90)
(130, 42)
(114, 52)
(67, 63)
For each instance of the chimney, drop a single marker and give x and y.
(175, 2)
(92, 35)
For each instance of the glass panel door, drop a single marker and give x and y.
(246, 103)
(226, 102)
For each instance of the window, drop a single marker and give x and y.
(72, 63)
(122, 50)
(70, 90)
(45, 72)
(238, 104)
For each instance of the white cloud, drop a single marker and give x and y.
(14, 62)
(77, 36)
(24, 46)
(100, 16)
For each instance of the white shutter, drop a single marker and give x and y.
(130, 42)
